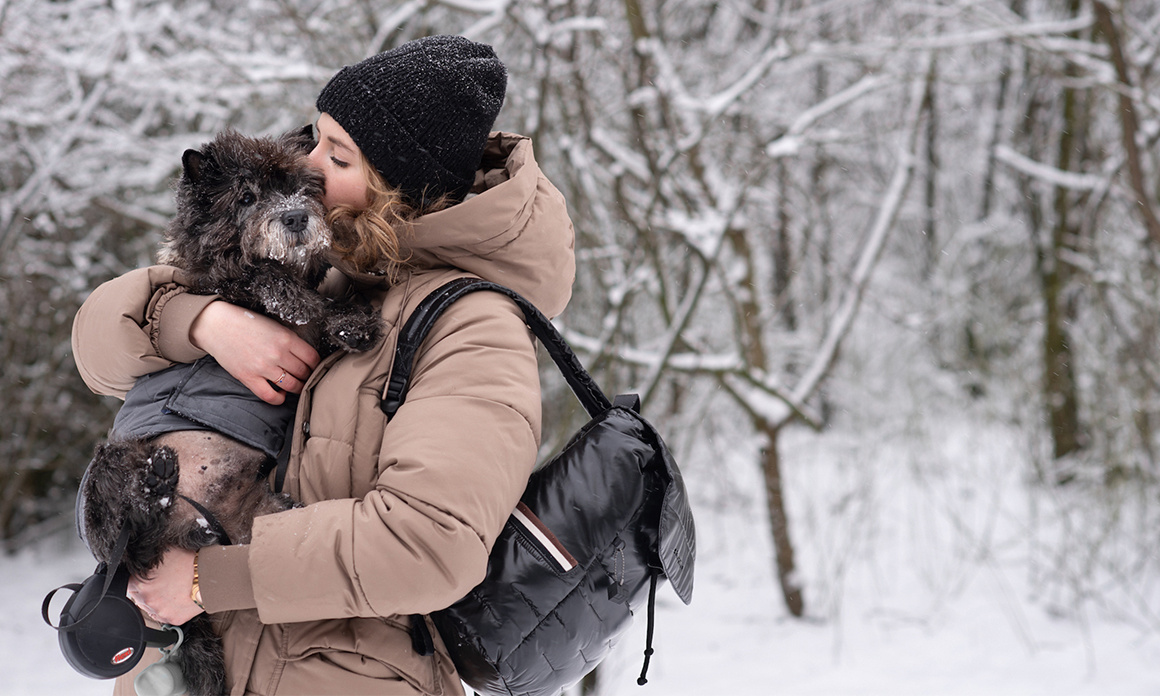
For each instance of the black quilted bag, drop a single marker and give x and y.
(595, 530)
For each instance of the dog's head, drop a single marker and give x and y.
(241, 200)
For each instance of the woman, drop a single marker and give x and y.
(399, 517)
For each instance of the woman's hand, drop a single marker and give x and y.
(265, 356)
(165, 594)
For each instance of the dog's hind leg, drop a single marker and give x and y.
(132, 483)
(201, 658)
(162, 475)
(151, 519)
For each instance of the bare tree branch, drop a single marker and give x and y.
(883, 222)
(1128, 124)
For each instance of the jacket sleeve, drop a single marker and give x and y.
(133, 325)
(453, 463)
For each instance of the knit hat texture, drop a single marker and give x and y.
(421, 112)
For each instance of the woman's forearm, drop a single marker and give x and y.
(145, 321)
(118, 334)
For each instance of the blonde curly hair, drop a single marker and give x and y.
(368, 239)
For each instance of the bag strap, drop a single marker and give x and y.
(417, 327)
(119, 547)
(211, 520)
(423, 318)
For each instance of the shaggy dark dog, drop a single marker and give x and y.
(250, 226)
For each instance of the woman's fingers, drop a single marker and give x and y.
(297, 368)
(255, 349)
(165, 594)
(261, 388)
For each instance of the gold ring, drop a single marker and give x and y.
(281, 378)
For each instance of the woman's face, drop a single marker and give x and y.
(342, 163)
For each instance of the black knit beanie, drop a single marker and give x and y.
(421, 113)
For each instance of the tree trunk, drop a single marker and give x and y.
(1129, 127)
(779, 524)
(997, 131)
(783, 259)
(930, 188)
(1059, 385)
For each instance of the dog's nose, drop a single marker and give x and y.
(295, 220)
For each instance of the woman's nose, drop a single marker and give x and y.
(315, 156)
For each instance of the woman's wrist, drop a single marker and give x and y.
(204, 325)
(267, 357)
(225, 578)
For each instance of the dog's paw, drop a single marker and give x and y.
(161, 476)
(358, 341)
(355, 329)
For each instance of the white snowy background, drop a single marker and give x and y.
(910, 153)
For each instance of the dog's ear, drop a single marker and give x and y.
(301, 138)
(307, 132)
(191, 163)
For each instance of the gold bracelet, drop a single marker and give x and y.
(195, 590)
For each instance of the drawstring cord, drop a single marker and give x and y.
(648, 641)
(421, 641)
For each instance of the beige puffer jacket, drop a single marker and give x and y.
(399, 517)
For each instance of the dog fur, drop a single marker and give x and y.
(250, 226)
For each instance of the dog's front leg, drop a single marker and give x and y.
(278, 294)
(354, 323)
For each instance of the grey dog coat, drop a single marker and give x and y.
(199, 396)
(203, 396)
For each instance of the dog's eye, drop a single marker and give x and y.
(248, 198)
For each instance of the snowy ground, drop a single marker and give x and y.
(914, 588)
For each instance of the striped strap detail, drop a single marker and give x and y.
(528, 520)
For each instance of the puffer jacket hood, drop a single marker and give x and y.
(518, 235)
